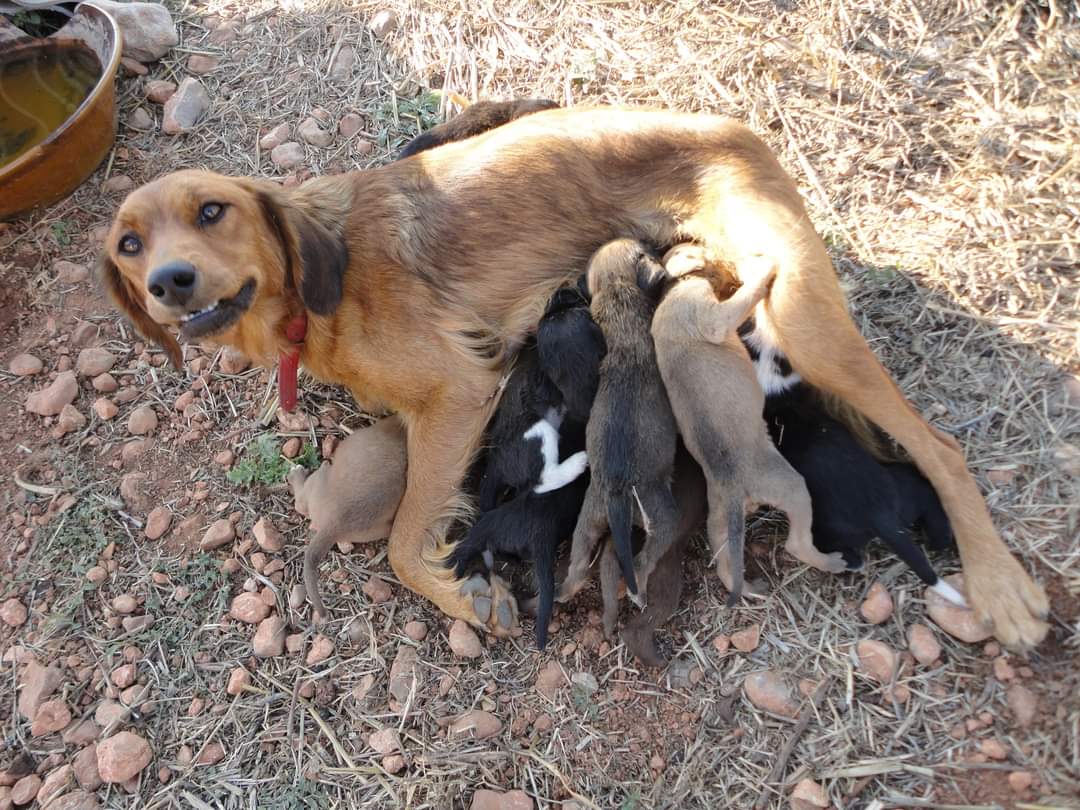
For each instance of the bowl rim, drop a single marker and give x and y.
(108, 74)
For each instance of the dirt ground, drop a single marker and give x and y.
(936, 145)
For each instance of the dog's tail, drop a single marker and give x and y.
(736, 531)
(620, 512)
(544, 570)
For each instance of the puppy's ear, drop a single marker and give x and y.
(127, 301)
(651, 275)
(316, 251)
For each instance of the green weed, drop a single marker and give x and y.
(264, 464)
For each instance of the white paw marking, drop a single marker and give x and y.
(562, 474)
(764, 340)
(949, 593)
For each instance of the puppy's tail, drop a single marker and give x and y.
(736, 530)
(620, 512)
(544, 569)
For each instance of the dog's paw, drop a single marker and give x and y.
(833, 563)
(1002, 594)
(493, 604)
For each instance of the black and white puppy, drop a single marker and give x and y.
(534, 478)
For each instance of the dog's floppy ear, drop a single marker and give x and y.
(127, 301)
(316, 252)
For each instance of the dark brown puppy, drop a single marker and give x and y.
(631, 434)
(475, 119)
(420, 278)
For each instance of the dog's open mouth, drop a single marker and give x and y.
(219, 316)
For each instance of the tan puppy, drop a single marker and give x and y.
(718, 404)
(353, 498)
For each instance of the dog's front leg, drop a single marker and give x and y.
(441, 443)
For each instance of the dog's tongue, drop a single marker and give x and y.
(289, 363)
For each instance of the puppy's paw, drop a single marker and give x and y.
(683, 259)
(754, 270)
(833, 563)
(296, 478)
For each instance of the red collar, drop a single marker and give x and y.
(289, 362)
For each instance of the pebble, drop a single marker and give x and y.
(923, 644)
(37, 685)
(550, 679)
(994, 749)
(393, 763)
(94, 361)
(69, 272)
(58, 780)
(51, 400)
(140, 120)
(160, 91)
(287, 156)
(96, 575)
(185, 108)
(321, 649)
(75, 800)
(958, 622)
(269, 638)
(85, 767)
(350, 124)
(219, 534)
(249, 608)
(485, 799)
(1021, 781)
(385, 741)
(383, 23)
(1023, 704)
(464, 642)
(721, 643)
(125, 603)
(82, 731)
(811, 792)
(378, 591)
(122, 756)
(267, 536)
(123, 676)
(136, 624)
(274, 138)
(118, 184)
(157, 522)
(878, 605)
(476, 724)
(747, 639)
(13, 613)
(212, 754)
(1003, 670)
(24, 791)
(403, 673)
(363, 147)
(238, 679)
(772, 692)
(341, 67)
(143, 420)
(105, 408)
(52, 715)
(297, 596)
(201, 63)
(233, 361)
(25, 365)
(312, 132)
(291, 448)
(147, 28)
(417, 631)
(876, 659)
(69, 420)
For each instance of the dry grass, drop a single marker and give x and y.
(936, 144)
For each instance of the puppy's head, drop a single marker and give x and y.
(623, 262)
(219, 257)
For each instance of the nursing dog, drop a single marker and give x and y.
(414, 283)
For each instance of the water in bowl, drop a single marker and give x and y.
(39, 89)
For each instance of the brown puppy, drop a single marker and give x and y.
(420, 278)
(718, 405)
(631, 435)
(352, 498)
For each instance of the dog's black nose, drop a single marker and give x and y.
(172, 284)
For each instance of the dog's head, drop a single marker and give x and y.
(624, 262)
(220, 257)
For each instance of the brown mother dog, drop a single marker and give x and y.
(421, 278)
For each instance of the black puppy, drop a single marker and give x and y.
(473, 120)
(529, 499)
(855, 497)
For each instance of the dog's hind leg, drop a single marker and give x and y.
(609, 587)
(665, 589)
(754, 209)
(903, 545)
(726, 528)
(660, 514)
(591, 525)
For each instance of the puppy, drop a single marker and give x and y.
(718, 403)
(552, 386)
(855, 497)
(353, 498)
(474, 120)
(631, 432)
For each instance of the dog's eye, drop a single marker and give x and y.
(130, 245)
(211, 212)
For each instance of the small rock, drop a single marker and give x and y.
(721, 643)
(238, 679)
(110, 713)
(267, 536)
(96, 575)
(50, 401)
(312, 132)
(1023, 704)
(219, 533)
(291, 448)
(378, 591)
(550, 679)
(771, 691)
(147, 29)
(321, 649)
(878, 605)
(233, 361)
(94, 361)
(69, 420)
(85, 767)
(275, 137)
(994, 749)
(70, 273)
(403, 674)
(350, 124)
(157, 522)
(24, 365)
(876, 659)
(82, 732)
(385, 741)
(140, 120)
(958, 622)
(1003, 670)
(393, 763)
(341, 67)
(105, 383)
(475, 724)
(76, 800)
(58, 780)
(53, 715)
(136, 624)
(287, 156)
(1021, 781)
(269, 638)
(118, 184)
(185, 108)
(464, 642)
(923, 644)
(133, 67)
(123, 755)
(105, 409)
(494, 800)
(201, 63)
(212, 754)
(363, 147)
(811, 792)
(143, 420)
(123, 676)
(160, 91)
(125, 603)
(24, 791)
(747, 640)
(383, 23)
(13, 613)
(417, 631)
(38, 683)
(249, 608)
